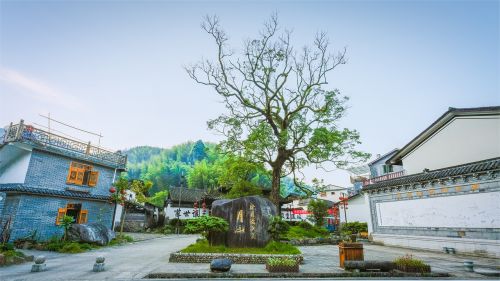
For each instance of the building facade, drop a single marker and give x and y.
(44, 176)
(450, 194)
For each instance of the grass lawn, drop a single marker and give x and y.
(202, 246)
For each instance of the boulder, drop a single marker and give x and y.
(248, 219)
(220, 265)
(91, 233)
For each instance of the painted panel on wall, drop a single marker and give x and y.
(479, 210)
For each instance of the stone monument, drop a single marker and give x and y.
(248, 219)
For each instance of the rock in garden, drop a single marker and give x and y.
(248, 219)
(220, 265)
(91, 233)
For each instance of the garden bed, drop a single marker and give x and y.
(231, 275)
(179, 257)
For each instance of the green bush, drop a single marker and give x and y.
(72, 247)
(275, 247)
(7, 247)
(12, 253)
(277, 228)
(408, 263)
(319, 210)
(206, 225)
(281, 262)
(298, 232)
(305, 225)
(353, 228)
(177, 222)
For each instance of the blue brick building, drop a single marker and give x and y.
(44, 176)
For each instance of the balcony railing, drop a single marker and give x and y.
(52, 142)
(385, 177)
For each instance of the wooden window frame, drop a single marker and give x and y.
(82, 174)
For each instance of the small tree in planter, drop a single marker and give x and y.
(282, 265)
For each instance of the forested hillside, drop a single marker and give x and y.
(202, 166)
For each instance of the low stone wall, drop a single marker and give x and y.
(235, 258)
(313, 241)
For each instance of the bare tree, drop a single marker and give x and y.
(278, 111)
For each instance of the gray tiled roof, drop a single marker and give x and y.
(469, 168)
(22, 188)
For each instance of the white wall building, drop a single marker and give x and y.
(450, 194)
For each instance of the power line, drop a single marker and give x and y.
(73, 127)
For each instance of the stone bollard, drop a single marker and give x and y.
(39, 264)
(99, 264)
(469, 266)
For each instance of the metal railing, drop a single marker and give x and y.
(50, 141)
(385, 177)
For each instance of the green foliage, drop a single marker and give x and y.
(243, 178)
(305, 225)
(353, 228)
(277, 228)
(12, 253)
(71, 248)
(299, 232)
(273, 247)
(203, 175)
(319, 211)
(408, 263)
(204, 166)
(281, 262)
(206, 225)
(141, 189)
(66, 222)
(7, 247)
(158, 199)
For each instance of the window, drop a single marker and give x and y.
(322, 194)
(82, 174)
(73, 210)
(332, 193)
(387, 169)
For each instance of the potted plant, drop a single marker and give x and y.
(282, 265)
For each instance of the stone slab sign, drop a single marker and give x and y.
(248, 219)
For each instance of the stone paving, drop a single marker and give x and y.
(136, 260)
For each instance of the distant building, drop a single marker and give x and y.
(332, 193)
(44, 176)
(380, 170)
(450, 193)
(187, 203)
(358, 209)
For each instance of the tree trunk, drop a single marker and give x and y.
(275, 189)
(122, 221)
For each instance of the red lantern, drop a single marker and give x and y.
(112, 189)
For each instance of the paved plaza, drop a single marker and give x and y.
(136, 260)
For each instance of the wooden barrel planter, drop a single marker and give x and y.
(350, 252)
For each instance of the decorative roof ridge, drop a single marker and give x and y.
(457, 170)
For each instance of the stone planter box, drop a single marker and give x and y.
(282, 268)
(235, 258)
(413, 269)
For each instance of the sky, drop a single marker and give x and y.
(116, 67)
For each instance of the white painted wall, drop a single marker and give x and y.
(357, 210)
(14, 162)
(480, 210)
(462, 140)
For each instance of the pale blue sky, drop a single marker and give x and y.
(116, 66)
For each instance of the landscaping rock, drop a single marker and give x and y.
(248, 219)
(220, 265)
(39, 260)
(91, 233)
